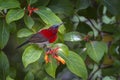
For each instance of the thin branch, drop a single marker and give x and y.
(93, 25)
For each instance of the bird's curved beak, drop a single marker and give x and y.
(60, 24)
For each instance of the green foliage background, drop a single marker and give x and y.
(89, 40)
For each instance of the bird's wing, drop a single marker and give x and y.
(38, 38)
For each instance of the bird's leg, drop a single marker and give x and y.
(46, 48)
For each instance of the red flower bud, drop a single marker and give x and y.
(31, 9)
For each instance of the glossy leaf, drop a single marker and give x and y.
(96, 50)
(7, 4)
(73, 36)
(42, 3)
(113, 6)
(30, 55)
(51, 67)
(61, 7)
(29, 21)
(12, 27)
(109, 78)
(62, 48)
(4, 66)
(4, 34)
(31, 1)
(29, 76)
(49, 18)
(14, 15)
(76, 64)
(108, 20)
(24, 33)
(82, 4)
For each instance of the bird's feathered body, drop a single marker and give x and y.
(44, 36)
(50, 34)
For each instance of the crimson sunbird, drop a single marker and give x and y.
(44, 36)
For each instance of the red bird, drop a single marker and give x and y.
(43, 37)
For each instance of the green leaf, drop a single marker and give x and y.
(12, 72)
(82, 4)
(113, 6)
(31, 1)
(109, 78)
(75, 64)
(14, 15)
(4, 34)
(61, 7)
(12, 27)
(96, 50)
(9, 78)
(30, 55)
(24, 33)
(51, 67)
(73, 36)
(7, 4)
(4, 66)
(43, 3)
(49, 17)
(29, 22)
(62, 48)
(29, 76)
(108, 20)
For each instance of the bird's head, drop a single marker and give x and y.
(55, 27)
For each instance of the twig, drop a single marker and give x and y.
(93, 25)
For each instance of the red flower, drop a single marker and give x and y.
(31, 9)
(54, 54)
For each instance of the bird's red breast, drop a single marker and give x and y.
(51, 35)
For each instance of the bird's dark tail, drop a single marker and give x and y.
(22, 44)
